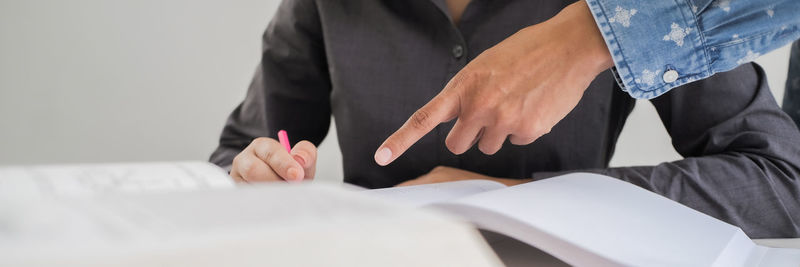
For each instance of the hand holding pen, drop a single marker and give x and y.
(267, 159)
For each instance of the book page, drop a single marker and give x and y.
(261, 225)
(420, 195)
(92, 179)
(588, 219)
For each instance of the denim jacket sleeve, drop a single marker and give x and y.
(657, 45)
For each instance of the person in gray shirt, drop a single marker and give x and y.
(371, 64)
(791, 97)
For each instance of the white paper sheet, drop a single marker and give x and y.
(263, 225)
(589, 220)
(420, 195)
(87, 180)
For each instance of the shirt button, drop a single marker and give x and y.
(670, 76)
(458, 51)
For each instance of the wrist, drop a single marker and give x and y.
(595, 54)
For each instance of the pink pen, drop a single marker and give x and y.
(284, 139)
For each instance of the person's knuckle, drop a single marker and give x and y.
(272, 143)
(527, 129)
(541, 128)
(463, 78)
(547, 129)
(473, 75)
(516, 140)
(486, 148)
(260, 141)
(311, 148)
(478, 109)
(505, 118)
(470, 116)
(245, 166)
(242, 160)
(252, 171)
(420, 119)
(271, 157)
(505, 88)
(237, 159)
(522, 140)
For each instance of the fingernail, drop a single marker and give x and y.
(294, 174)
(300, 160)
(383, 156)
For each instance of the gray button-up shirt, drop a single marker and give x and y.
(371, 64)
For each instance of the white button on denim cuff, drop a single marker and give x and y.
(670, 76)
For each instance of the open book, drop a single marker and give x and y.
(593, 220)
(191, 214)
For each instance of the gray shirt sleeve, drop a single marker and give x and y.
(742, 161)
(291, 79)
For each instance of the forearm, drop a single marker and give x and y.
(290, 89)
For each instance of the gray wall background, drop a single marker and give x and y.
(111, 80)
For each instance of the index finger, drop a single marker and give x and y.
(440, 109)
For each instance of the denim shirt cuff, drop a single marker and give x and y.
(655, 45)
